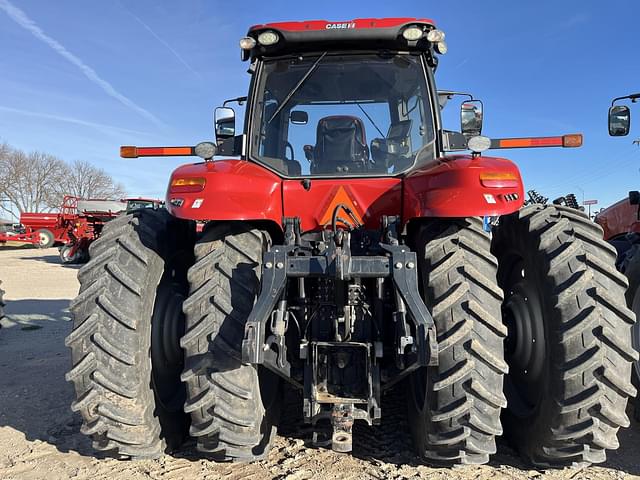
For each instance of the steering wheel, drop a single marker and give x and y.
(290, 147)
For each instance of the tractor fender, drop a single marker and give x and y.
(463, 186)
(619, 219)
(232, 190)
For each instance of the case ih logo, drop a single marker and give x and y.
(331, 26)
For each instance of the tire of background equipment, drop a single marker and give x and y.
(234, 406)
(125, 346)
(569, 345)
(66, 258)
(46, 238)
(454, 408)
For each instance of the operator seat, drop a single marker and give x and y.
(341, 146)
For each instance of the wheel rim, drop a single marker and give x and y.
(635, 329)
(44, 239)
(525, 346)
(167, 357)
(64, 253)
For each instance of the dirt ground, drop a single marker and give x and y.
(40, 437)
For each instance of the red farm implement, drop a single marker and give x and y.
(43, 230)
(78, 223)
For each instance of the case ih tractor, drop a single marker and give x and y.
(344, 254)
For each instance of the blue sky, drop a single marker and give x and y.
(81, 78)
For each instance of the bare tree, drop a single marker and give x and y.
(28, 181)
(37, 182)
(84, 180)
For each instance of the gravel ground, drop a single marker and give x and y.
(40, 438)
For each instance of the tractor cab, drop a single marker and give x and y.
(346, 99)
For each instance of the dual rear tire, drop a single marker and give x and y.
(566, 332)
(125, 339)
(131, 342)
(569, 344)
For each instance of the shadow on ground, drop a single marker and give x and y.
(53, 259)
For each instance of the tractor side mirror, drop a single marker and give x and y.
(471, 118)
(619, 120)
(634, 197)
(299, 117)
(225, 123)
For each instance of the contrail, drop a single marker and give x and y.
(162, 41)
(106, 129)
(25, 22)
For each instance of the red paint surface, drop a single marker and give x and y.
(241, 190)
(359, 23)
(451, 187)
(371, 198)
(619, 219)
(234, 190)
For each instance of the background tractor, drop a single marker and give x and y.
(344, 255)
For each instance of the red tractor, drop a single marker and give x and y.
(344, 254)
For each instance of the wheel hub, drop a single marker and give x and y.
(525, 347)
(167, 357)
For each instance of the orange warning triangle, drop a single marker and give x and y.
(341, 196)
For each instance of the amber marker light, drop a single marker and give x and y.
(128, 152)
(572, 141)
(136, 152)
(187, 185)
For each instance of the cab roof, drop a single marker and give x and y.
(322, 35)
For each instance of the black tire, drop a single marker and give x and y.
(569, 346)
(454, 408)
(66, 257)
(125, 339)
(233, 406)
(46, 238)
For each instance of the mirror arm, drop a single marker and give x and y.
(238, 100)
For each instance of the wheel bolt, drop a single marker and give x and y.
(410, 265)
(279, 265)
(268, 265)
(398, 265)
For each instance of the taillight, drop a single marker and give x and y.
(499, 179)
(187, 185)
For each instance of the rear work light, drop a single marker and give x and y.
(412, 33)
(435, 36)
(268, 37)
(499, 179)
(187, 185)
(247, 43)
